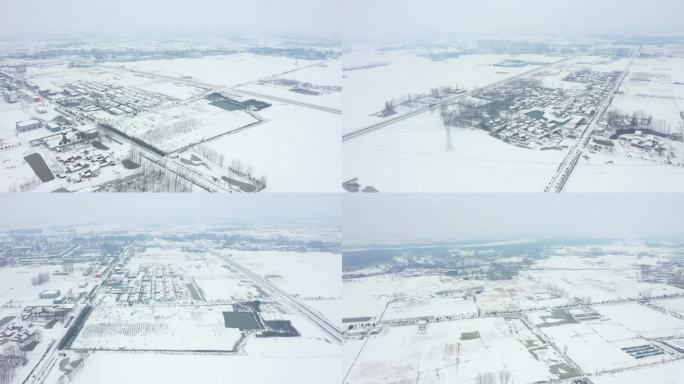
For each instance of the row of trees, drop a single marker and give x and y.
(236, 166)
(461, 115)
(155, 178)
(212, 155)
(152, 178)
(437, 92)
(161, 137)
(40, 278)
(10, 358)
(26, 185)
(247, 171)
(616, 119)
(490, 378)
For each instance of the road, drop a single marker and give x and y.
(547, 340)
(186, 173)
(447, 101)
(219, 88)
(316, 318)
(520, 314)
(283, 100)
(567, 166)
(49, 359)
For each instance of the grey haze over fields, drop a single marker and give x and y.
(23, 210)
(81, 18)
(397, 218)
(379, 19)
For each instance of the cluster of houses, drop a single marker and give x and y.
(20, 334)
(645, 143)
(24, 329)
(9, 88)
(156, 283)
(94, 97)
(83, 165)
(302, 87)
(592, 77)
(44, 314)
(517, 63)
(56, 124)
(639, 141)
(526, 113)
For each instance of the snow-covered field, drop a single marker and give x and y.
(413, 155)
(331, 99)
(620, 326)
(230, 70)
(419, 155)
(442, 354)
(565, 276)
(56, 75)
(16, 288)
(324, 73)
(120, 367)
(234, 289)
(437, 307)
(675, 304)
(422, 322)
(174, 128)
(653, 87)
(399, 73)
(669, 373)
(298, 149)
(310, 276)
(158, 328)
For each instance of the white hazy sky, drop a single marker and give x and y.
(22, 210)
(410, 217)
(58, 18)
(469, 18)
(352, 19)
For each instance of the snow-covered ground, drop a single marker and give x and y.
(158, 328)
(653, 87)
(16, 288)
(442, 354)
(420, 155)
(625, 176)
(619, 326)
(420, 307)
(230, 70)
(669, 373)
(298, 149)
(310, 276)
(133, 368)
(372, 77)
(172, 129)
(413, 155)
(423, 320)
(674, 304)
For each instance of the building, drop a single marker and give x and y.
(11, 97)
(49, 294)
(53, 126)
(86, 132)
(28, 125)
